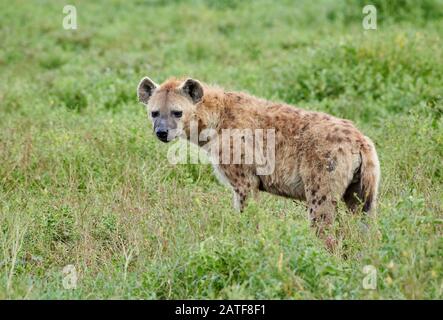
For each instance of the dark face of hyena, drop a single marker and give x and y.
(166, 117)
(169, 108)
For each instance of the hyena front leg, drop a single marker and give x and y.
(238, 200)
(241, 191)
(243, 183)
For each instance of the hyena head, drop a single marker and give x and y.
(170, 106)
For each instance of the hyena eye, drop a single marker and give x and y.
(155, 114)
(177, 114)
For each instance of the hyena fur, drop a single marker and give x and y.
(319, 158)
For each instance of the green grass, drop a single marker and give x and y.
(83, 181)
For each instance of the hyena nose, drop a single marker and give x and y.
(162, 135)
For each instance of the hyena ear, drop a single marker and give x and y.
(145, 89)
(193, 89)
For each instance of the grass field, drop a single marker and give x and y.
(84, 182)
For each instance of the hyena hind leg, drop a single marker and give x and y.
(322, 212)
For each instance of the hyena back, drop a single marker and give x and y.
(318, 158)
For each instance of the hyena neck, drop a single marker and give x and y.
(209, 111)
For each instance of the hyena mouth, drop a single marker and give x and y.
(163, 140)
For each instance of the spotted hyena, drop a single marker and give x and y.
(318, 158)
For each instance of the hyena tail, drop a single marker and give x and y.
(369, 176)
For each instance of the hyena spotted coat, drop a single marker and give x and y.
(319, 158)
